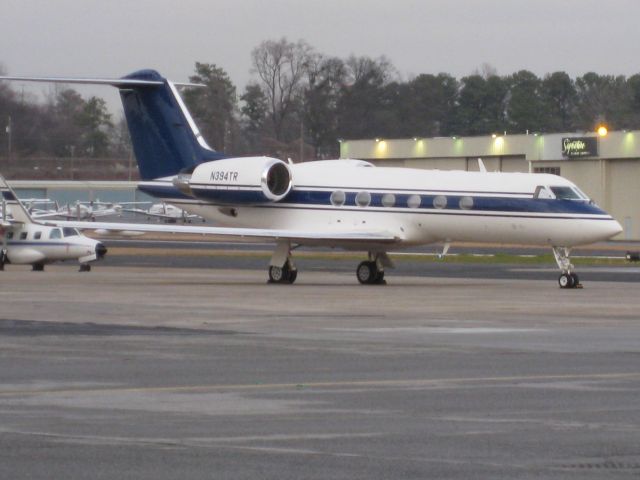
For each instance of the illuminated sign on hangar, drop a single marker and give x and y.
(576, 147)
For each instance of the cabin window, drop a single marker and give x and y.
(440, 201)
(388, 200)
(363, 199)
(466, 203)
(55, 233)
(338, 198)
(23, 236)
(414, 201)
(37, 235)
(69, 232)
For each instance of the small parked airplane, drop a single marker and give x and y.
(26, 241)
(168, 213)
(340, 203)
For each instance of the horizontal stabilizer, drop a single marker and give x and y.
(116, 82)
(165, 138)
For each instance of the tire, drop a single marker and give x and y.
(293, 274)
(366, 272)
(277, 274)
(576, 280)
(282, 274)
(566, 280)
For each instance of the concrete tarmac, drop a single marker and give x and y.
(163, 373)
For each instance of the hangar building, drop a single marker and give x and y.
(606, 167)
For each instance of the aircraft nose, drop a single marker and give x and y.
(101, 250)
(614, 228)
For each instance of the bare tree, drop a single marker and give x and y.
(280, 66)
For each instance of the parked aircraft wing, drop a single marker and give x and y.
(357, 237)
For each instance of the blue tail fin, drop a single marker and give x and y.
(165, 138)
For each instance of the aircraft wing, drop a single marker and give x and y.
(161, 215)
(40, 215)
(148, 213)
(329, 238)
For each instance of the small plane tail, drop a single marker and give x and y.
(12, 205)
(165, 138)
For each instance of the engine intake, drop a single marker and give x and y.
(238, 181)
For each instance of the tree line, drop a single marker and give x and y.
(301, 102)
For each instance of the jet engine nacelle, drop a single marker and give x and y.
(238, 181)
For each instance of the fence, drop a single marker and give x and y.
(71, 168)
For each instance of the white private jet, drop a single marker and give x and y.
(340, 203)
(28, 242)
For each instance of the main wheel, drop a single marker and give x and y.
(278, 274)
(37, 267)
(366, 272)
(293, 274)
(566, 280)
(282, 274)
(85, 267)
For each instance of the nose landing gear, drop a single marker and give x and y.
(567, 278)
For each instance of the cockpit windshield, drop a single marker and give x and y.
(568, 193)
(70, 232)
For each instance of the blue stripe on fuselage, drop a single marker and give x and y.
(315, 198)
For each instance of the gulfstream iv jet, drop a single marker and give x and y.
(346, 204)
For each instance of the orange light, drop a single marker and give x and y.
(602, 131)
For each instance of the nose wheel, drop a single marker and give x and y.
(569, 280)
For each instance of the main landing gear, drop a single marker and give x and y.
(285, 274)
(281, 267)
(85, 267)
(371, 272)
(567, 278)
(282, 270)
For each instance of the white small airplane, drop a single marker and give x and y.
(26, 241)
(340, 203)
(78, 210)
(165, 211)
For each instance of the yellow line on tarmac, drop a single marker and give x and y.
(336, 384)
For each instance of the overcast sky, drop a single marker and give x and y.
(114, 37)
